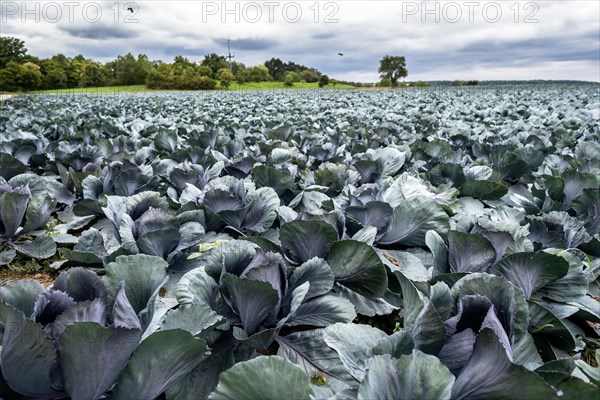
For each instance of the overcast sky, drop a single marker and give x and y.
(440, 39)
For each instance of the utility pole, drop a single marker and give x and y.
(229, 55)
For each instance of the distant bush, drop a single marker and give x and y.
(465, 83)
(385, 82)
(225, 77)
(204, 70)
(181, 75)
(289, 79)
(351, 83)
(202, 83)
(259, 73)
(419, 84)
(323, 80)
(242, 76)
(153, 80)
(291, 76)
(309, 76)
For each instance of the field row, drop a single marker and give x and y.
(322, 244)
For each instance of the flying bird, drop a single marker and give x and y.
(340, 54)
(130, 9)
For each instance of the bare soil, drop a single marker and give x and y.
(8, 275)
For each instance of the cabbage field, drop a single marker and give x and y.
(331, 244)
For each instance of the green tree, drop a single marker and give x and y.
(181, 60)
(9, 77)
(11, 49)
(31, 77)
(154, 79)
(203, 83)
(184, 77)
(54, 74)
(385, 82)
(289, 79)
(276, 68)
(181, 75)
(225, 77)
(181, 63)
(32, 59)
(62, 60)
(309, 76)
(419, 84)
(158, 76)
(291, 76)
(242, 76)
(215, 62)
(237, 67)
(259, 73)
(180, 71)
(204, 70)
(76, 70)
(125, 70)
(323, 80)
(393, 67)
(92, 75)
(66, 65)
(17, 77)
(142, 66)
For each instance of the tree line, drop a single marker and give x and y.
(20, 71)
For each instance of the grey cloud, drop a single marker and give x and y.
(592, 35)
(98, 32)
(249, 44)
(323, 36)
(548, 49)
(584, 55)
(168, 29)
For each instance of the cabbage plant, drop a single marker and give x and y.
(25, 206)
(84, 337)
